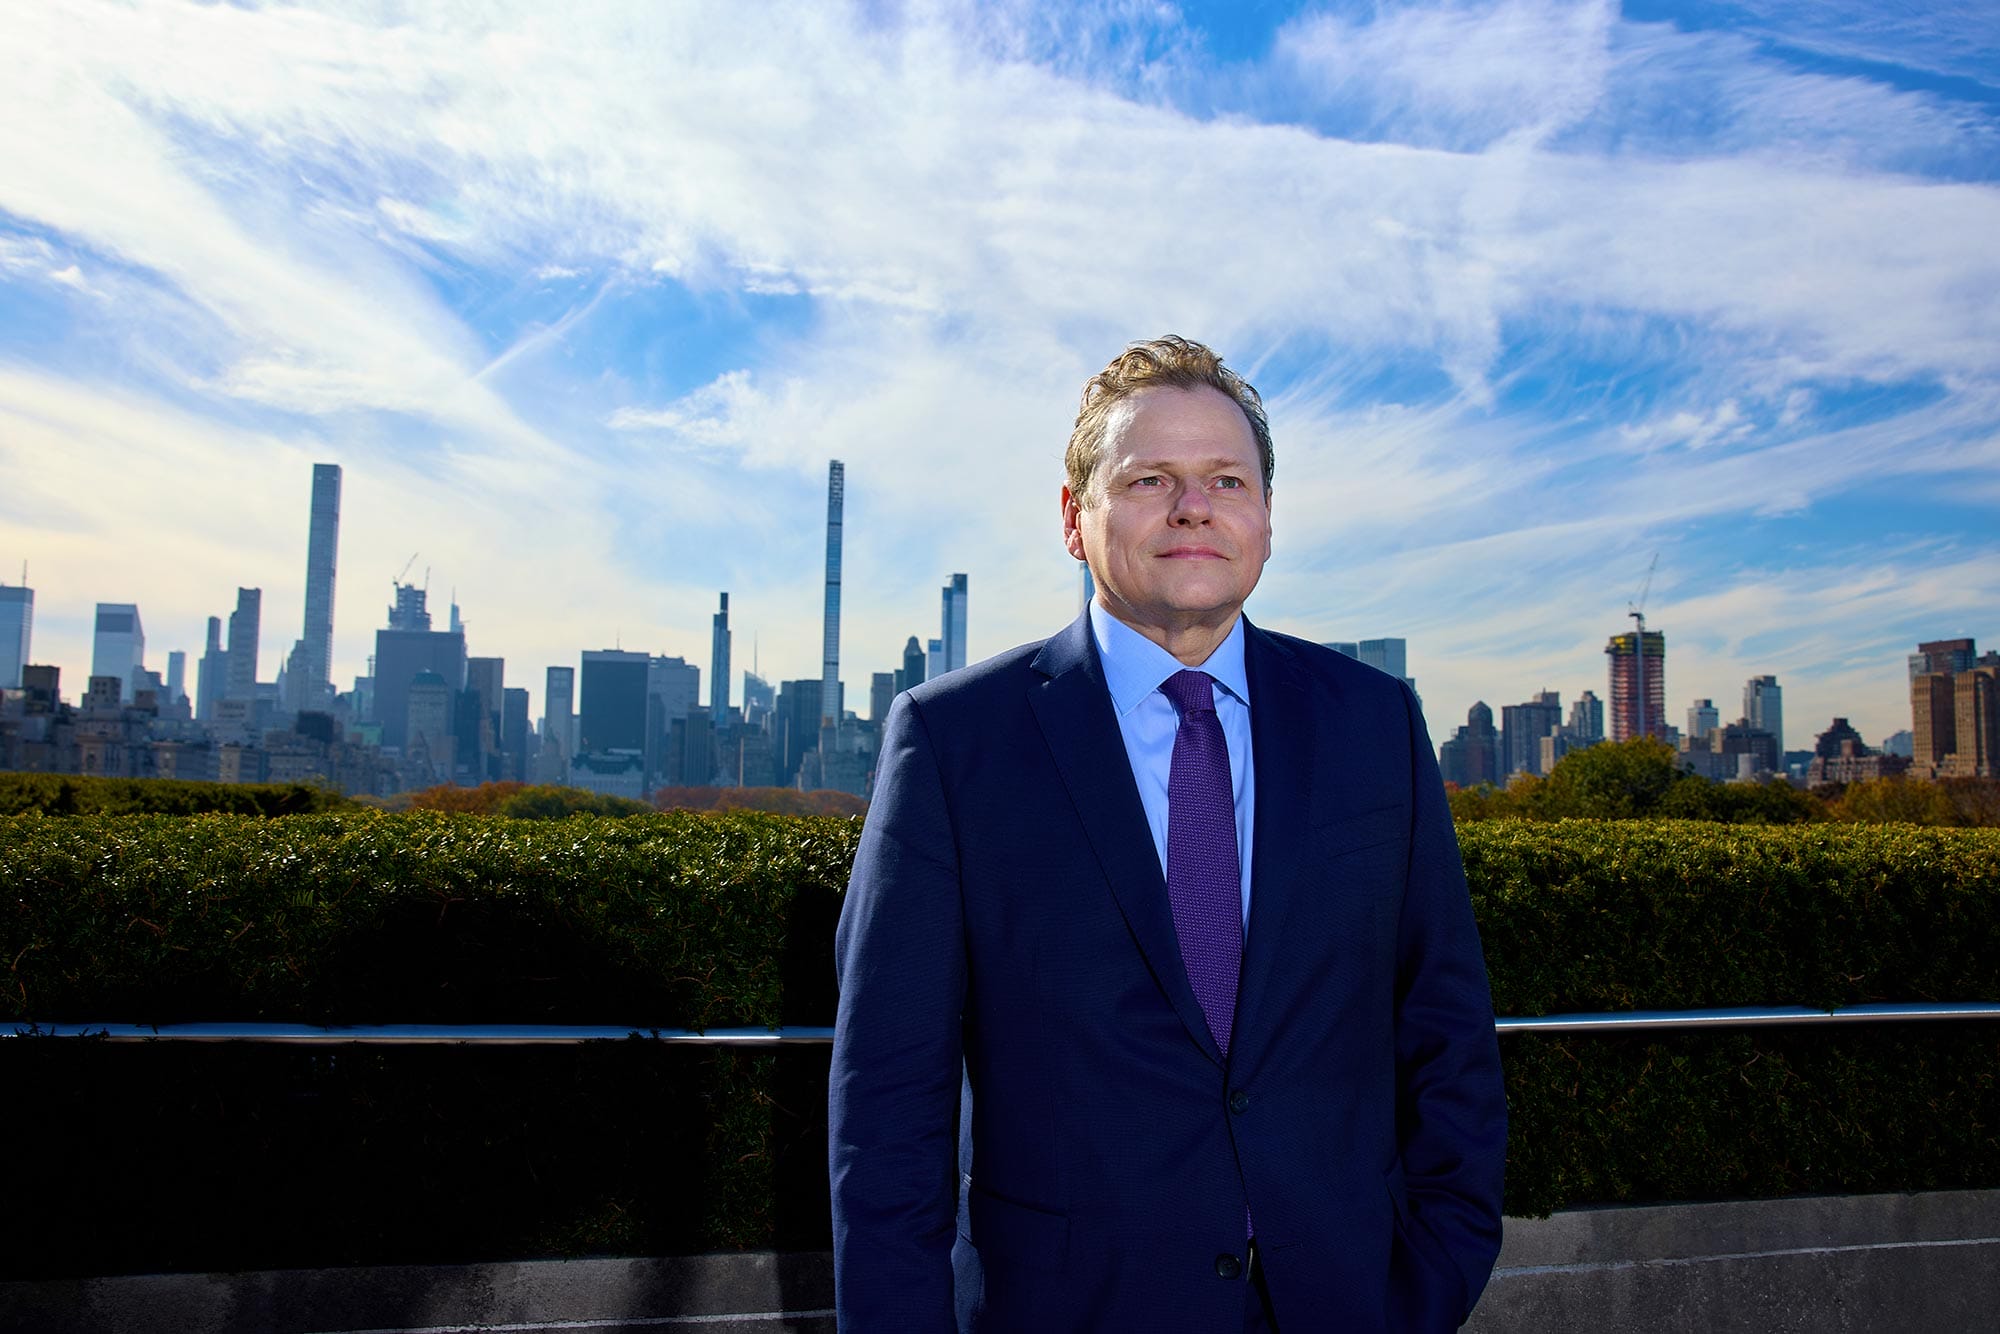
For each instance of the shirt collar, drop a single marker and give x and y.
(1134, 666)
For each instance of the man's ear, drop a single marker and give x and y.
(1072, 523)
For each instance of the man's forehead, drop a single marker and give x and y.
(1162, 416)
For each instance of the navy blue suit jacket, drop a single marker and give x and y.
(1007, 921)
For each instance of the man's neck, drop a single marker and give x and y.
(1191, 641)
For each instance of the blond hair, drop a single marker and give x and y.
(1173, 361)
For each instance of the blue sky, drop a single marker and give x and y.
(584, 298)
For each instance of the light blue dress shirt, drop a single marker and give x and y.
(1134, 667)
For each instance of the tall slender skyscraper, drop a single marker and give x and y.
(480, 724)
(17, 625)
(954, 623)
(829, 680)
(244, 625)
(718, 663)
(211, 674)
(309, 675)
(119, 646)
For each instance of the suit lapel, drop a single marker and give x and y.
(1073, 707)
(1281, 742)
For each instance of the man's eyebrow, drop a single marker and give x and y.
(1217, 464)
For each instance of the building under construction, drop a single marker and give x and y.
(1638, 684)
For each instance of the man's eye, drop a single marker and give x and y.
(1148, 481)
(1229, 483)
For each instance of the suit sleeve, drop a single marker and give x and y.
(1451, 1105)
(897, 1054)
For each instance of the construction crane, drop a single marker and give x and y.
(396, 602)
(1637, 611)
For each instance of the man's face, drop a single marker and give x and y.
(1179, 526)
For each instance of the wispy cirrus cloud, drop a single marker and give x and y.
(1533, 289)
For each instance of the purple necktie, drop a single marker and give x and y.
(1204, 877)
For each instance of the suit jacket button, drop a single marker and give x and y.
(1228, 1266)
(1239, 1101)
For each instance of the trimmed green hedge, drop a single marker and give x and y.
(67, 794)
(705, 920)
(671, 920)
(1624, 915)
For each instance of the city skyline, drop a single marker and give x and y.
(1388, 654)
(1532, 290)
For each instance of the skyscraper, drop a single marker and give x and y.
(243, 631)
(673, 691)
(934, 659)
(953, 622)
(793, 732)
(514, 733)
(1976, 702)
(829, 680)
(881, 690)
(424, 730)
(17, 627)
(1704, 717)
(913, 663)
(1948, 656)
(211, 673)
(177, 667)
(309, 670)
(409, 613)
(1472, 756)
(1586, 720)
(1933, 721)
(479, 739)
(559, 709)
(612, 714)
(1638, 684)
(118, 647)
(409, 646)
(718, 664)
(1384, 655)
(1764, 707)
(1522, 727)
(760, 697)
(1955, 710)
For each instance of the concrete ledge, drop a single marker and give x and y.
(1827, 1263)
(757, 1292)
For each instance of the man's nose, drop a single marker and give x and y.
(1191, 504)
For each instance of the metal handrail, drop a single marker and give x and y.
(406, 1035)
(399, 1035)
(1752, 1016)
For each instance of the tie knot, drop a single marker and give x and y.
(1189, 692)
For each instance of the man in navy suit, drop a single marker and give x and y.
(1074, 1088)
